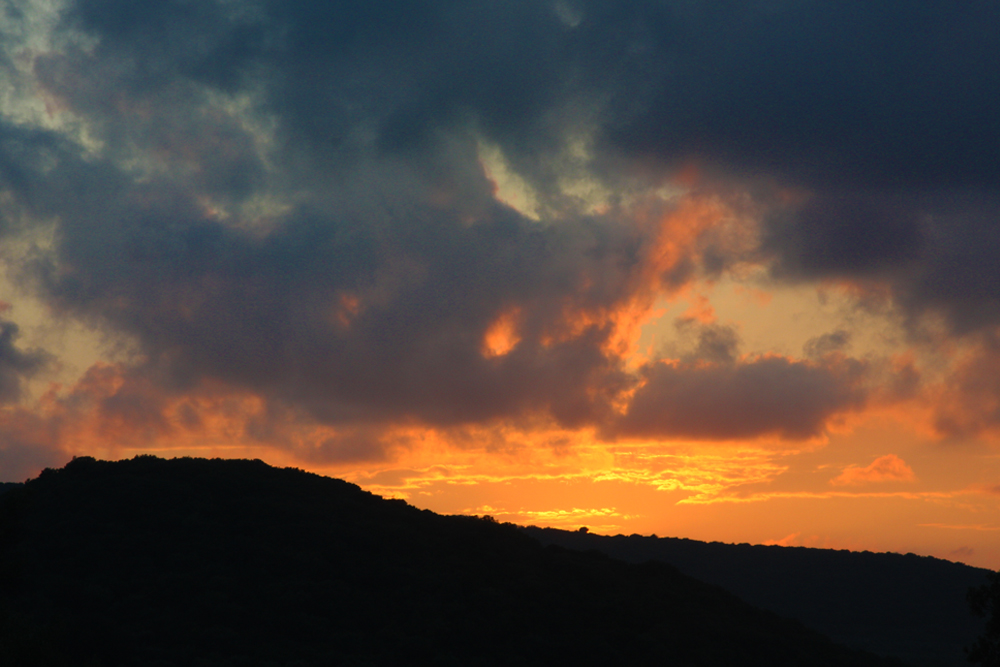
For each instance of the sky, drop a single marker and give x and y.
(724, 271)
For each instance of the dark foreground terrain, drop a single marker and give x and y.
(910, 607)
(195, 562)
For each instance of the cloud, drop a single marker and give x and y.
(716, 343)
(815, 94)
(286, 202)
(835, 341)
(854, 234)
(930, 253)
(16, 365)
(966, 402)
(868, 150)
(888, 468)
(359, 318)
(766, 395)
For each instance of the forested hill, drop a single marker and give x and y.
(195, 562)
(908, 606)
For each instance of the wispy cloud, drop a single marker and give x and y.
(601, 519)
(888, 468)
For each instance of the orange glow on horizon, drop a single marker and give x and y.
(766, 489)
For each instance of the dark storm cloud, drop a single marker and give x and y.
(341, 79)
(764, 396)
(880, 118)
(268, 313)
(859, 94)
(936, 253)
(957, 275)
(369, 298)
(857, 234)
(287, 196)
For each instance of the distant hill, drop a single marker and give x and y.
(908, 606)
(197, 563)
(7, 486)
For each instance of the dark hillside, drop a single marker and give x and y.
(8, 486)
(907, 606)
(195, 562)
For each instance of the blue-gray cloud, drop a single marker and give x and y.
(16, 365)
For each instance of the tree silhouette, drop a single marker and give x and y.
(985, 602)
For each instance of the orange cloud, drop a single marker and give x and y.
(671, 235)
(701, 310)
(889, 468)
(502, 336)
(786, 541)
(114, 412)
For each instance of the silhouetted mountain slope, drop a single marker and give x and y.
(908, 606)
(8, 486)
(194, 562)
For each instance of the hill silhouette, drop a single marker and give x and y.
(223, 562)
(907, 606)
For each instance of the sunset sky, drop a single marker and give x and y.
(726, 271)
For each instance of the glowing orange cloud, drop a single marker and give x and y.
(602, 519)
(889, 468)
(502, 336)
